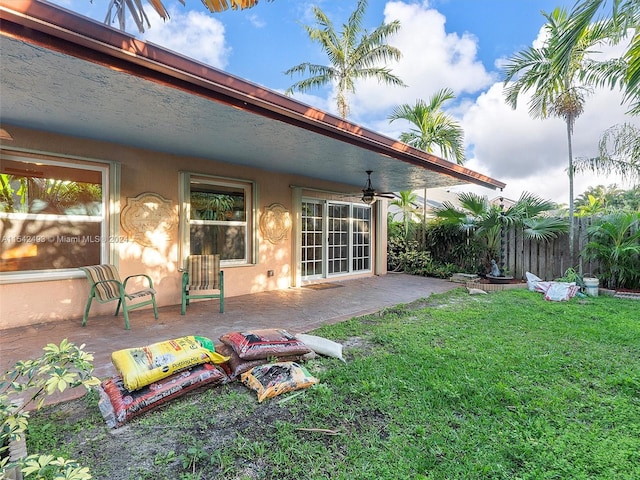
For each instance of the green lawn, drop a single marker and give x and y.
(498, 386)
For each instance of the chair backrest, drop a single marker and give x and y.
(203, 272)
(96, 273)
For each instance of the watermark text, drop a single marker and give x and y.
(82, 239)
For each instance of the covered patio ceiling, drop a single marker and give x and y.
(66, 74)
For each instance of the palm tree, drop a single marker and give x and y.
(353, 54)
(433, 127)
(117, 10)
(624, 18)
(620, 144)
(487, 221)
(407, 205)
(557, 91)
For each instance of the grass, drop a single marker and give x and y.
(499, 386)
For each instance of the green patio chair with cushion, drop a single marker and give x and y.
(106, 286)
(202, 274)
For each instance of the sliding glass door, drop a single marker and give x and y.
(336, 239)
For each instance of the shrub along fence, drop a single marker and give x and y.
(547, 260)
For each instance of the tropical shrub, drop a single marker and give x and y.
(414, 260)
(484, 221)
(572, 275)
(614, 242)
(408, 257)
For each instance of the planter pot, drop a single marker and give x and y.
(591, 286)
(499, 280)
(495, 287)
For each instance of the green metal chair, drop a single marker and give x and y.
(106, 286)
(202, 274)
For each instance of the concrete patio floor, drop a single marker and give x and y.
(297, 310)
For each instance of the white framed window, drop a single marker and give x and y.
(54, 216)
(217, 218)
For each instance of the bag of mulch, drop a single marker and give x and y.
(561, 291)
(322, 346)
(144, 365)
(532, 281)
(118, 405)
(236, 366)
(264, 344)
(273, 379)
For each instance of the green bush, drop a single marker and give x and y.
(614, 242)
(449, 244)
(28, 384)
(440, 251)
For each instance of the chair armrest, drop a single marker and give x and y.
(138, 275)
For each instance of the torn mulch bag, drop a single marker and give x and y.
(273, 379)
(236, 366)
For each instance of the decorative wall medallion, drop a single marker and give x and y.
(275, 223)
(149, 219)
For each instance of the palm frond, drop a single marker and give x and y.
(320, 76)
(476, 204)
(544, 228)
(619, 154)
(432, 126)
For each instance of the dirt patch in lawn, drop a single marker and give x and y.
(177, 441)
(166, 449)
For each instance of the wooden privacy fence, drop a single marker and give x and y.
(547, 260)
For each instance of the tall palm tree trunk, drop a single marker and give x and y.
(571, 202)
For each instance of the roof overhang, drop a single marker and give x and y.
(70, 75)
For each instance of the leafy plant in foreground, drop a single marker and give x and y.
(27, 384)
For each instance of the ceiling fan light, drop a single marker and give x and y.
(369, 194)
(368, 197)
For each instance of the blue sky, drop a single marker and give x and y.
(459, 44)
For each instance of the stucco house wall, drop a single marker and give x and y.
(143, 171)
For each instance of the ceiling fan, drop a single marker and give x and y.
(369, 194)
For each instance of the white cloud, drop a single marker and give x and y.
(432, 59)
(194, 34)
(532, 154)
(256, 21)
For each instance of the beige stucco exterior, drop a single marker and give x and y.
(76, 91)
(143, 171)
